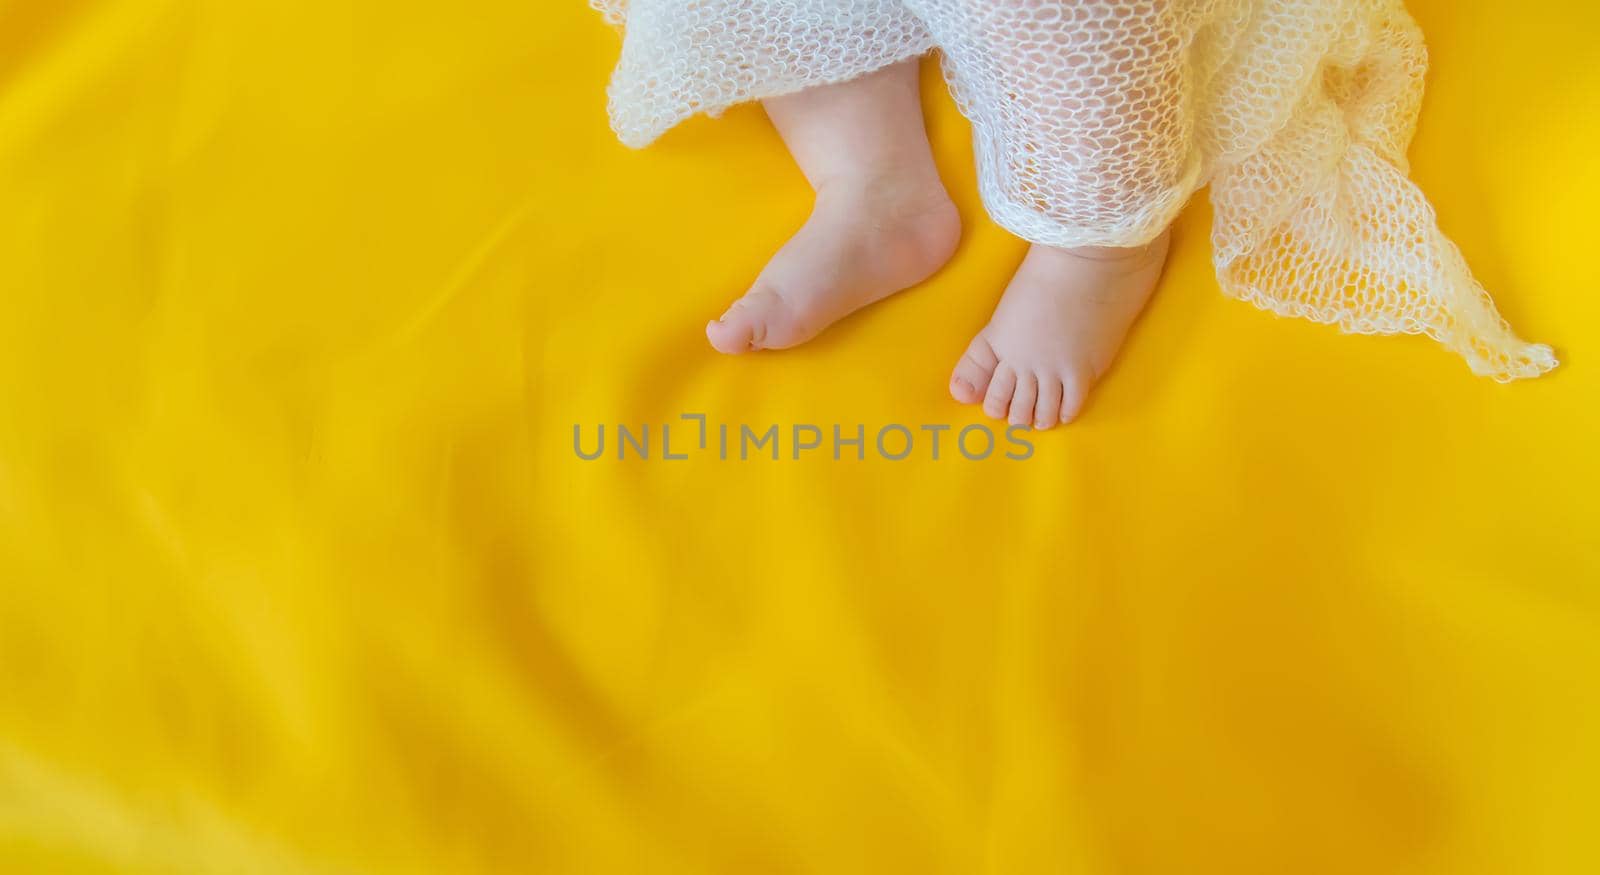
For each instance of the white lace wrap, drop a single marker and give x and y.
(1095, 120)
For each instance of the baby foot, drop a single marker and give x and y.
(862, 244)
(1057, 330)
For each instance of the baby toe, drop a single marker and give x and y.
(747, 323)
(1074, 389)
(997, 400)
(1023, 399)
(970, 380)
(1047, 412)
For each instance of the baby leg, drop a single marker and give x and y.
(882, 220)
(1083, 146)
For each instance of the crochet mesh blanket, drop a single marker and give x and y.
(1095, 120)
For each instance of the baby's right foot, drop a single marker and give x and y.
(864, 241)
(1057, 329)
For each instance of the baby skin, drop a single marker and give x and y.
(883, 222)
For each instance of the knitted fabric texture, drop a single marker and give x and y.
(1095, 120)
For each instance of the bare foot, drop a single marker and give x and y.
(862, 243)
(882, 220)
(1057, 330)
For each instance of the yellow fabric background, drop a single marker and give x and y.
(299, 572)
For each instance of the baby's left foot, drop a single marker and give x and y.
(863, 242)
(1057, 330)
